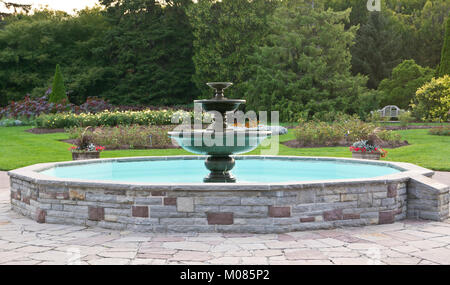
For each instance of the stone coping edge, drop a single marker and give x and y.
(31, 174)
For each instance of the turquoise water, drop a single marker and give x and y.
(193, 171)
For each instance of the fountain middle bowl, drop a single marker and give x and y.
(210, 142)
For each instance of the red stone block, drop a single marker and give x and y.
(170, 201)
(139, 211)
(158, 193)
(333, 215)
(40, 215)
(386, 217)
(220, 218)
(62, 195)
(350, 216)
(33, 196)
(26, 200)
(392, 190)
(96, 213)
(307, 220)
(279, 212)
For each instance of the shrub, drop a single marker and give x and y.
(400, 88)
(58, 94)
(345, 129)
(405, 118)
(432, 100)
(389, 136)
(440, 131)
(317, 133)
(374, 117)
(95, 105)
(32, 107)
(120, 137)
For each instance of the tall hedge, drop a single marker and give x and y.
(444, 67)
(58, 89)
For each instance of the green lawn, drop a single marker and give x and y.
(19, 148)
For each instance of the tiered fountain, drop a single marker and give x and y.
(219, 140)
(273, 194)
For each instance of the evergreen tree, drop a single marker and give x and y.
(377, 49)
(58, 89)
(225, 35)
(444, 67)
(429, 32)
(148, 51)
(304, 65)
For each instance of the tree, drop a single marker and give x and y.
(304, 64)
(58, 94)
(376, 50)
(358, 15)
(444, 67)
(17, 8)
(148, 51)
(32, 45)
(225, 36)
(430, 30)
(401, 87)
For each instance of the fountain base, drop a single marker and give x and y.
(220, 167)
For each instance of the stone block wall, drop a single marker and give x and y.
(280, 209)
(427, 199)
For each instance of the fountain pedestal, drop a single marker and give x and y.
(220, 167)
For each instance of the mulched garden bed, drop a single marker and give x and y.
(297, 144)
(40, 131)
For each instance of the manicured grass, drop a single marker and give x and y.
(429, 151)
(19, 148)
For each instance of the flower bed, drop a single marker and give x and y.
(29, 108)
(125, 137)
(107, 118)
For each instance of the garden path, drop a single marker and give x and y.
(23, 241)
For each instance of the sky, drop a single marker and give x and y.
(64, 5)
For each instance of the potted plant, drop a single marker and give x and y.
(365, 149)
(85, 149)
(90, 152)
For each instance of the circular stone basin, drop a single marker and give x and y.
(246, 170)
(273, 194)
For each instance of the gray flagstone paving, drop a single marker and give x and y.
(23, 241)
